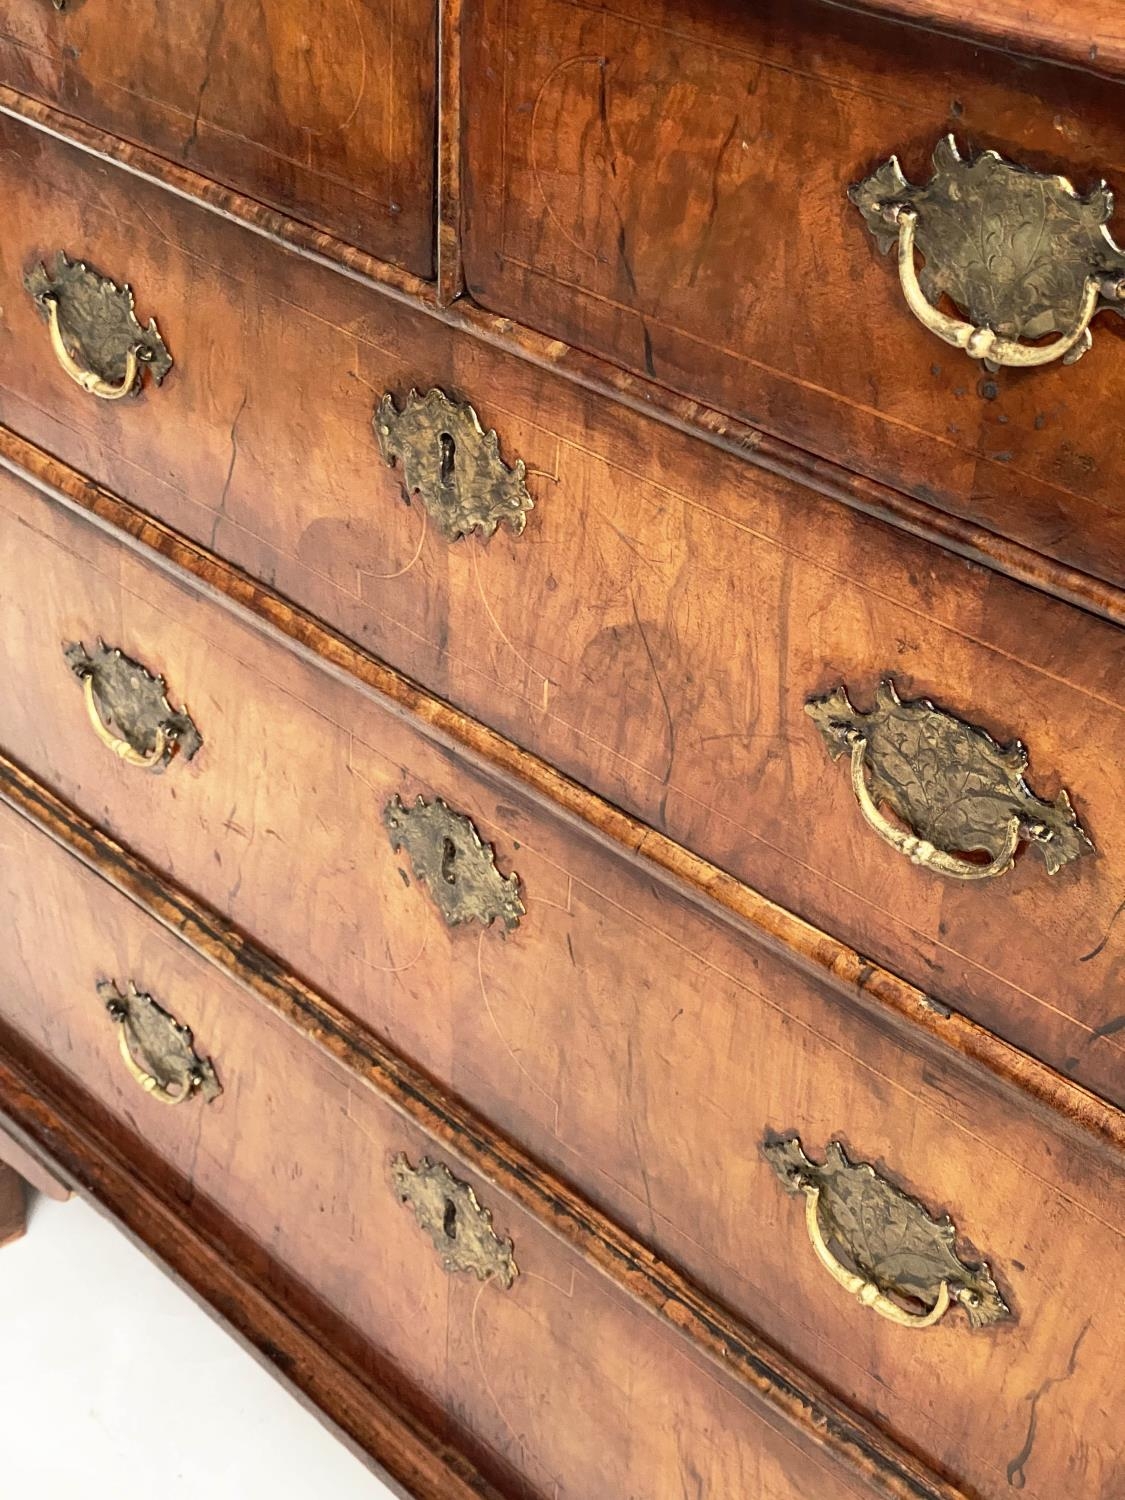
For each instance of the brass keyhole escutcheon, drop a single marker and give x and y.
(453, 863)
(459, 1227)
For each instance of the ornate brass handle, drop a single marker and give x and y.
(116, 687)
(158, 1051)
(866, 1291)
(91, 314)
(956, 790)
(453, 464)
(89, 380)
(901, 1254)
(1020, 252)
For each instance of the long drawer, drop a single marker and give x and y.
(668, 186)
(551, 1373)
(640, 1046)
(656, 630)
(324, 109)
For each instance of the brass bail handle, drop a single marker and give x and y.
(88, 380)
(920, 851)
(863, 1290)
(148, 1081)
(146, 760)
(982, 342)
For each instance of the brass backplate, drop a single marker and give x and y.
(461, 1230)
(887, 1236)
(162, 1050)
(452, 464)
(453, 863)
(98, 319)
(133, 701)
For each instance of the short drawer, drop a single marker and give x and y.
(323, 109)
(554, 1380)
(667, 186)
(640, 1046)
(655, 630)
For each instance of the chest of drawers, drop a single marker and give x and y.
(560, 773)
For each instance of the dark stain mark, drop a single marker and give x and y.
(1100, 947)
(570, 950)
(1108, 1028)
(650, 362)
(405, 876)
(1017, 1477)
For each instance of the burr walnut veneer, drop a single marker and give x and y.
(561, 804)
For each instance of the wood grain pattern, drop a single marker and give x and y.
(651, 667)
(668, 190)
(322, 108)
(542, 1385)
(1070, 1108)
(586, 1032)
(601, 379)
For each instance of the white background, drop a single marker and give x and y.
(115, 1385)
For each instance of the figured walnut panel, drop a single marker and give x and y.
(635, 1044)
(656, 629)
(667, 186)
(550, 1379)
(324, 109)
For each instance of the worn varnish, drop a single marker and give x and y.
(685, 607)
(667, 187)
(618, 1030)
(544, 1383)
(325, 110)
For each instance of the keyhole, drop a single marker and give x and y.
(449, 1222)
(448, 457)
(448, 855)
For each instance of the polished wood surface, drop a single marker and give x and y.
(548, 1380)
(13, 1205)
(667, 187)
(325, 110)
(652, 666)
(584, 1032)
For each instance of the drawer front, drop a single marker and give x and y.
(656, 629)
(562, 1385)
(638, 1045)
(670, 190)
(323, 109)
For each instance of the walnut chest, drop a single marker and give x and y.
(562, 574)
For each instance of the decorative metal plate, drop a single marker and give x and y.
(453, 464)
(132, 701)
(97, 317)
(889, 1237)
(950, 782)
(160, 1051)
(461, 1230)
(1017, 251)
(453, 863)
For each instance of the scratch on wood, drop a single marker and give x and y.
(1099, 948)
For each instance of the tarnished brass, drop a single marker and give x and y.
(129, 710)
(94, 330)
(158, 1051)
(453, 863)
(461, 1230)
(957, 791)
(1020, 253)
(902, 1262)
(453, 464)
